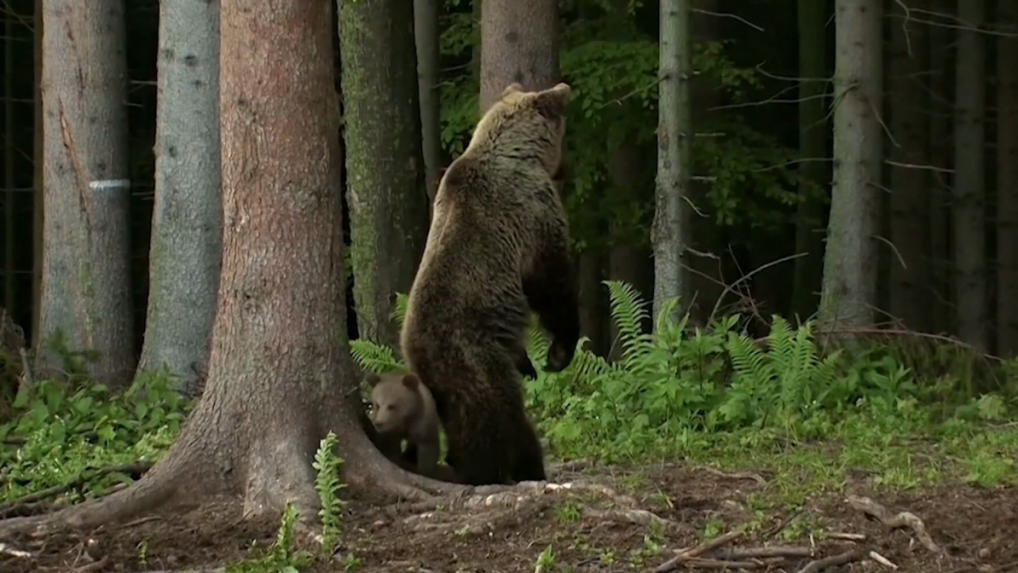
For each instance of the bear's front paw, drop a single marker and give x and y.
(559, 356)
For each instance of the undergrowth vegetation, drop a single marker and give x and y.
(911, 414)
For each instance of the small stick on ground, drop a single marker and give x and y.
(704, 563)
(761, 552)
(8, 550)
(894, 521)
(704, 547)
(847, 536)
(882, 560)
(833, 561)
(735, 475)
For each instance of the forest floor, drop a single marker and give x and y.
(587, 530)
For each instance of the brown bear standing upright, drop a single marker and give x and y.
(498, 243)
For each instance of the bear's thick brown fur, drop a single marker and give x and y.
(498, 245)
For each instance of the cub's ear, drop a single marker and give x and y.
(511, 88)
(410, 380)
(552, 102)
(372, 379)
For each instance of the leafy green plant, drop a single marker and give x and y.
(327, 484)
(62, 434)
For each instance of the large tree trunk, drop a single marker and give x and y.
(850, 263)
(519, 43)
(910, 293)
(970, 179)
(277, 376)
(387, 196)
(941, 90)
(86, 294)
(426, 36)
(1007, 181)
(188, 217)
(813, 130)
(670, 231)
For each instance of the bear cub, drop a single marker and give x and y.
(402, 408)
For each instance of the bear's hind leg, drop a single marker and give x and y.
(528, 458)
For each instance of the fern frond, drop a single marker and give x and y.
(628, 312)
(373, 357)
(399, 308)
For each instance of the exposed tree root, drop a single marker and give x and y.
(894, 521)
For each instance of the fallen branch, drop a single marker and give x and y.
(25, 501)
(705, 563)
(894, 521)
(833, 561)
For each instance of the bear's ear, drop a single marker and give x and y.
(552, 102)
(372, 379)
(511, 88)
(410, 380)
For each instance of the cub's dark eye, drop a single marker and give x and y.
(392, 407)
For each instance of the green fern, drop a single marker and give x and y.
(373, 357)
(628, 311)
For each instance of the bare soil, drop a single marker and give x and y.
(977, 529)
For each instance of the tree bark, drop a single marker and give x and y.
(187, 219)
(519, 43)
(970, 179)
(941, 90)
(426, 36)
(813, 148)
(670, 230)
(910, 293)
(386, 184)
(1007, 181)
(86, 291)
(850, 263)
(277, 377)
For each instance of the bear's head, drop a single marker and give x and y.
(527, 124)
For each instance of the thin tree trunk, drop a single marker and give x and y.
(426, 36)
(387, 196)
(813, 130)
(1007, 181)
(187, 218)
(970, 179)
(38, 207)
(941, 90)
(519, 43)
(9, 150)
(670, 231)
(86, 294)
(850, 263)
(910, 293)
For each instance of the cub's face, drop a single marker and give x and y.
(391, 406)
(531, 122)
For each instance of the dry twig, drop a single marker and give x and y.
(894, 521)
(833, 561)
(709, 545)
(762, 552)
